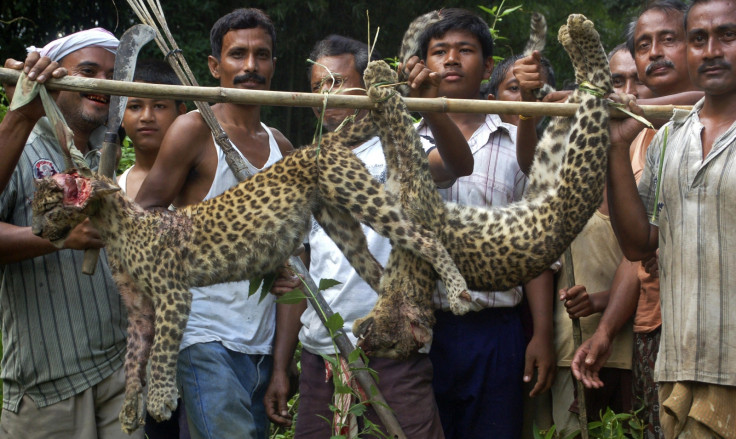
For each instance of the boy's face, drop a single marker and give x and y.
(147, 120)
(508, 90)
(458, 57)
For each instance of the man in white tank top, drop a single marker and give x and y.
(230, 345)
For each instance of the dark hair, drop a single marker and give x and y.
(336, 45)
(666, 6)
(155, 71)
(458, 19)
(244, 18)
(502, 69)
(617, 49)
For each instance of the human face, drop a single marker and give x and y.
(508, 90)
(624, 76)
(458, 57)
(246, 60)
(711, 46)
(86, 111)
(660, 52)
(335, 74)
(147, 120)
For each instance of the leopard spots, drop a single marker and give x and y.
(245, 233)
(495, 248)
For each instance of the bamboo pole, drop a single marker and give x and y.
(295, 99)
(577, 336)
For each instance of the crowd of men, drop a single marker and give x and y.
(655, 265)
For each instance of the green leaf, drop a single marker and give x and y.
(508, 11)
(254, 284)
(334, 323)
(325, 284)
(292, 297)
(535, 431)
(330, 359)
(357, 409)
(268, 281)
(354, 355)
(343, 389)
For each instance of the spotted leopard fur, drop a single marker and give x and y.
(410, 43)
(245, 233)
(501, 247)
(536, 42)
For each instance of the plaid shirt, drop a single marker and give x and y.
(496, 180)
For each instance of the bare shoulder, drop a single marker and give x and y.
(188, 128)
(186, 139)
(284, 144)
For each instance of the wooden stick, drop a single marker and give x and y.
(577, 336)
(295, 99)
(345, 346)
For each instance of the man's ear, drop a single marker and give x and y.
(181, 109)
(214, 66)
(491, 97)
(487, 67)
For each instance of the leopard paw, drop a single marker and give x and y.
(132, 415)
(162, 401)
(459, 302)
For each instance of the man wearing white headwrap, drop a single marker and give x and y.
(40, 65)
(63, 332)
(97, 37)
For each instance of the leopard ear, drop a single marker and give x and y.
(101, 189)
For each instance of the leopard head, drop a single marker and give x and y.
(62, 201)
(394, 330)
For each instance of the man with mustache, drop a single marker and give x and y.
(656, 40)
(232, 341)
(687, 210)
(63, 332)
(658, 47)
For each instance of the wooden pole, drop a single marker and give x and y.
(296, 99)
(577, 336)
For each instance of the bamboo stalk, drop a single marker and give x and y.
(295, 99)
(577, 336)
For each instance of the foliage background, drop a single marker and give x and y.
(299, 24)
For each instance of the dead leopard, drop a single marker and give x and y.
(495, 248)
(245, 233)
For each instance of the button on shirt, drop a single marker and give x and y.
(496, 180)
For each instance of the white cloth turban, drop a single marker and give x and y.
(97, 37)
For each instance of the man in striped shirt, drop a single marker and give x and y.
(688, 192)
(63, 333)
